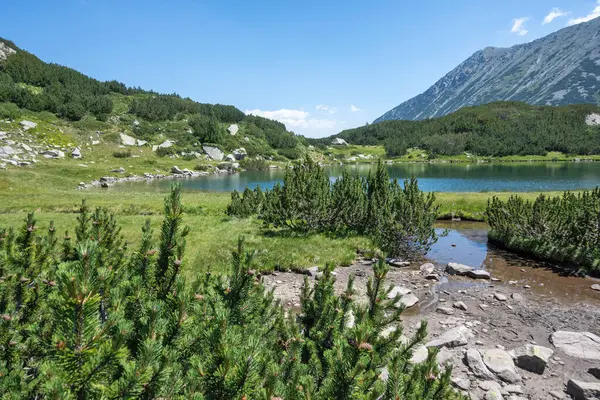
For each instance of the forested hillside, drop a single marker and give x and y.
(29, 84)
(495, 129)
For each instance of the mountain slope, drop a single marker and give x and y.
(561, 68)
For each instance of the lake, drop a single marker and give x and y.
(501, 177)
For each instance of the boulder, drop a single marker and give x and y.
(500, 363)
(27, 125)
(6, 151)
(141, 142)
(175, 170)
(580, 390)
(532, 358)
(164, 145)
(475, 362)
(230, 158)
(460, 305)
(76, 153)
(454, 337)
(584, 345)
(592, 119)
(233, 129)
(595, 372)
(339, 142)
(398, 291)
(408, 300)
(427, 269)
(596, 287)
(500, 297)
(213, 152)
(458, 269)
(240, 153)
(478, 274)
(127, 140)
(3, 135)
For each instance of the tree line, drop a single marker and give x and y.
(564, 229)
(494, 129)
(86, 317)
(399, 218)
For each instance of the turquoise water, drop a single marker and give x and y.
(512, 177)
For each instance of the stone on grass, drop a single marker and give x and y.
(580, 390)
(583, 345)
(213, 152)
(454, 337)
(176, 170)
(532, 358)
(501, 363)
(76, 153)
(28, 125)
(458, 269)
(233, 129)
(127, 140)
(339, 142)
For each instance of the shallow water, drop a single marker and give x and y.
(471, 248)
(514, 177)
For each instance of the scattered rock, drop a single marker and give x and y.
(6, 151)
(500, 296)
(475, 362)
(176, 170)
(478, 274)
(557, 395)
(398, 291)
(458, 269)
(240, 153)
(592, 119)
(532, 358)
(432, 277)
(312, 271)
(396, 262)
(513, 389)
(164, 145)
(119, 170)
(517, 297)
(460, 305)
(408, 300)
(233, 129)
(339, 142)
(495, 394)
(127, 140)
(489, 385)
(419, 355)
(27, 125)
(595, 372)
(26, 147)
(427, 269)
(454, 337)
(213, 152)
(583, 345)
(230, 158)
(583, 390)
(53, 154)
(76, 153)
(445, 310)
(501, 363)
(596, 287)
(461, 383)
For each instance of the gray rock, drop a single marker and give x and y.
(458, 269)
(398, 263)
(500, 297)
(476, 364)
(596, 287)
(478, 274)
(233, 129)
(164, 145)
(240, 153)
(312, 271)
(26, 147)
(460, 305)
(398, 291)
(532, 358)
(127, 140)
(27, 125)
(141, 142)
(76, 153)
(454, 337)
(419, 355)
(444, 310)
(53, 154)
(557, 395)
(592, 119)
(119, 170)
(6, 151)
(580, 390)
(230, 158)
(213, 152)
(427, 268)
(500, 363)
(513, 389)
(584, 345)
(461, 383)
(339, 142)
(494, 394)
(432, 277)
(595, 372)
(136, 122)
(409, 300)
(445, 356)
(517, 297)
(175, 170)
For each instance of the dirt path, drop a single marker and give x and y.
(499, 315)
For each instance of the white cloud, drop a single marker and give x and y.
(326, 108)
(295, 119)
(594, 14)
(555, 13)
(519, 26)
(353, 108)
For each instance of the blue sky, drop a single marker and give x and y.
(319, 66)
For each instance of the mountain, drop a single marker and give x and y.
(561, 68)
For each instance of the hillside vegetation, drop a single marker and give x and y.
(495, 129)
(29, 85)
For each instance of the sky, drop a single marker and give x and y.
(319, 66)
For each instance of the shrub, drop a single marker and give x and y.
(85, 317)
(254, 164)
(9, 111)
(292, 153)
(122, 154)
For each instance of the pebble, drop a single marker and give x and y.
(526, 286)
(500, 296)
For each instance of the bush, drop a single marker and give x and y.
(292, 153)
(85, 317)
(254, 164)
(9, 111)
(166, 151)
(122, 154)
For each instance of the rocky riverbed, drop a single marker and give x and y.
(505, 339)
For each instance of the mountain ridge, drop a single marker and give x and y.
(558, 69)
